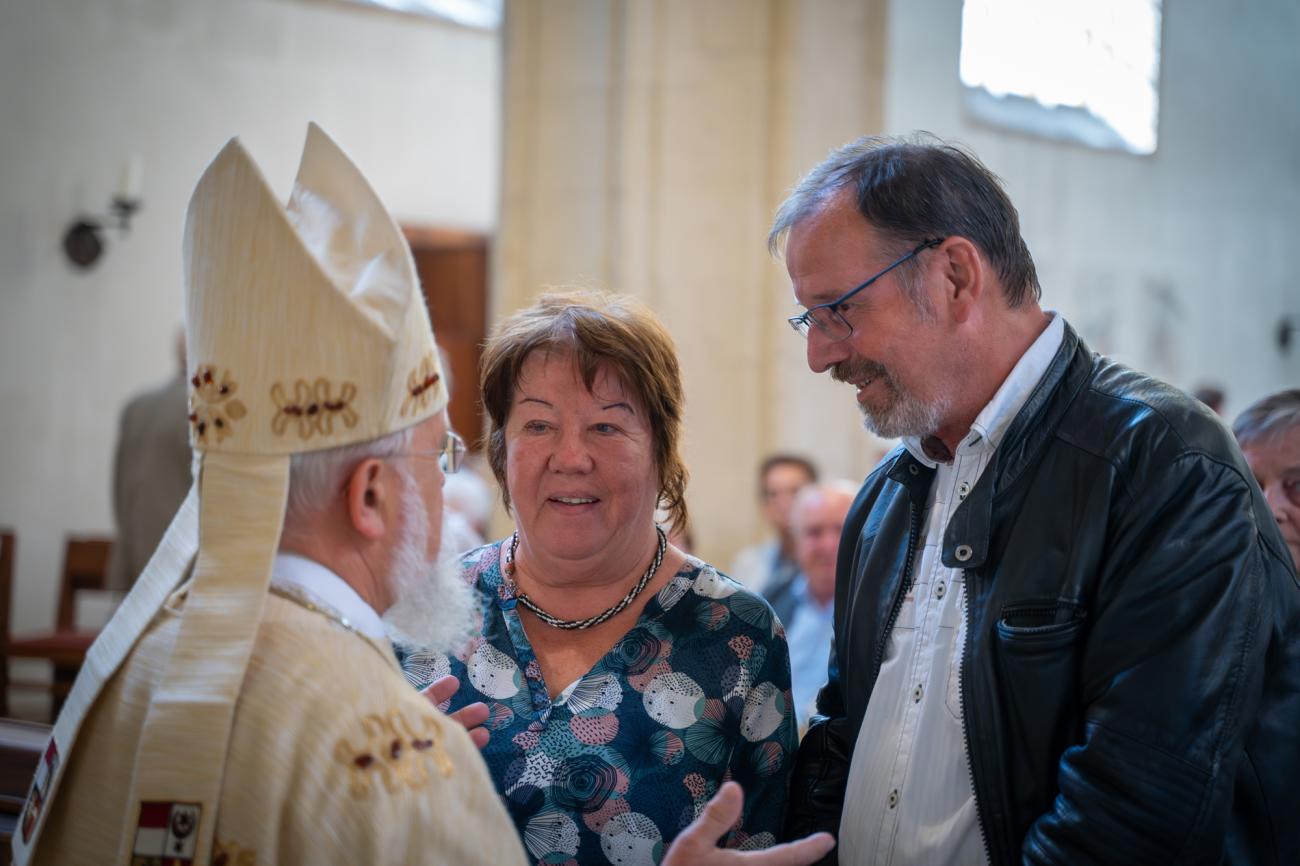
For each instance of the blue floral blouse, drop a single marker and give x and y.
(696, 693)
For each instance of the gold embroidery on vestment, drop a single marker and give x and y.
(313, 407)
(212, 404)
(419, 385)
(230, 854)
(393, 752)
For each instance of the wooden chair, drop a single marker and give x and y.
(85, 566)
(85, 563)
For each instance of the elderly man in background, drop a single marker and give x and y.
(805, 603)
(1065, 622)
(771, 563)
(1269, 435)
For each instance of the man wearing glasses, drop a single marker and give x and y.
(1065, 623)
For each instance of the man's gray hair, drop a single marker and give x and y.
(818, 489)
(316, 477)
(916, 189)
(1263, 419)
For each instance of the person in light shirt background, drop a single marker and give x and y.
(771, 563)
(805, 602)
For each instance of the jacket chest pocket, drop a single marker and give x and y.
(1037, 653)
(1039, 628)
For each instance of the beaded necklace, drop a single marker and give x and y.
(554, 621)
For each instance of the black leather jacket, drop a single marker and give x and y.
(1131, 679)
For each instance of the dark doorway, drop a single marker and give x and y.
(453, 269)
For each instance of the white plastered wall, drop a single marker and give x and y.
(85, 84)
(1180, 264)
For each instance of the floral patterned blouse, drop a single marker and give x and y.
(696, 693)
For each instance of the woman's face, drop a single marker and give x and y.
(580, 464)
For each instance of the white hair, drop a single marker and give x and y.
(316, 477)
(821, 489)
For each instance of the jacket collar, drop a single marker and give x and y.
(966, 542)
(993, 421)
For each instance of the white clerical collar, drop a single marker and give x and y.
(324, 587)
(997, 415)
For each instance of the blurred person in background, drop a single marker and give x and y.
(1066, 626)
(805, 602)
(151, 472)
(771, 563)
(1269, 434)
(1212, 396)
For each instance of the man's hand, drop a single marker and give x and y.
(697, 845)
(472, 716)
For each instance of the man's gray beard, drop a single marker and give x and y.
(905, 415)
(434, 607)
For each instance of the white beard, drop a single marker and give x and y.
(435, 609)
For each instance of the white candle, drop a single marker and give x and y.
(132, 174)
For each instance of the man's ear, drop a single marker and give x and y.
(369, 498)
(964, 277)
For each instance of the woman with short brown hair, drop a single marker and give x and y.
(625, 680)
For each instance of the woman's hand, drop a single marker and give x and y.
(472, 716)
(697, 845)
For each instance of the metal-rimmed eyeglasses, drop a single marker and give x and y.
(829, 319)
(450, 456)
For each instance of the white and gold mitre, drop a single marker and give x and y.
(305, 329)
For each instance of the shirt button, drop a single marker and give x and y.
(964, 552)
(962, 490)
(918, 692)
(893, 798)
(940, 590)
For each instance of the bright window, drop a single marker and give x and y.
(485, 14)
(1082, 70)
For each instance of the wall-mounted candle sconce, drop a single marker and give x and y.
(1287, 327)
(83, 242)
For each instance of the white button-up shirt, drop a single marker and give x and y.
(909, 797)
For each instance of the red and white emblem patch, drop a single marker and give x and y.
(167, 834)
(45, 770)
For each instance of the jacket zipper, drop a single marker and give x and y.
(898, 601)
(967, 578)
